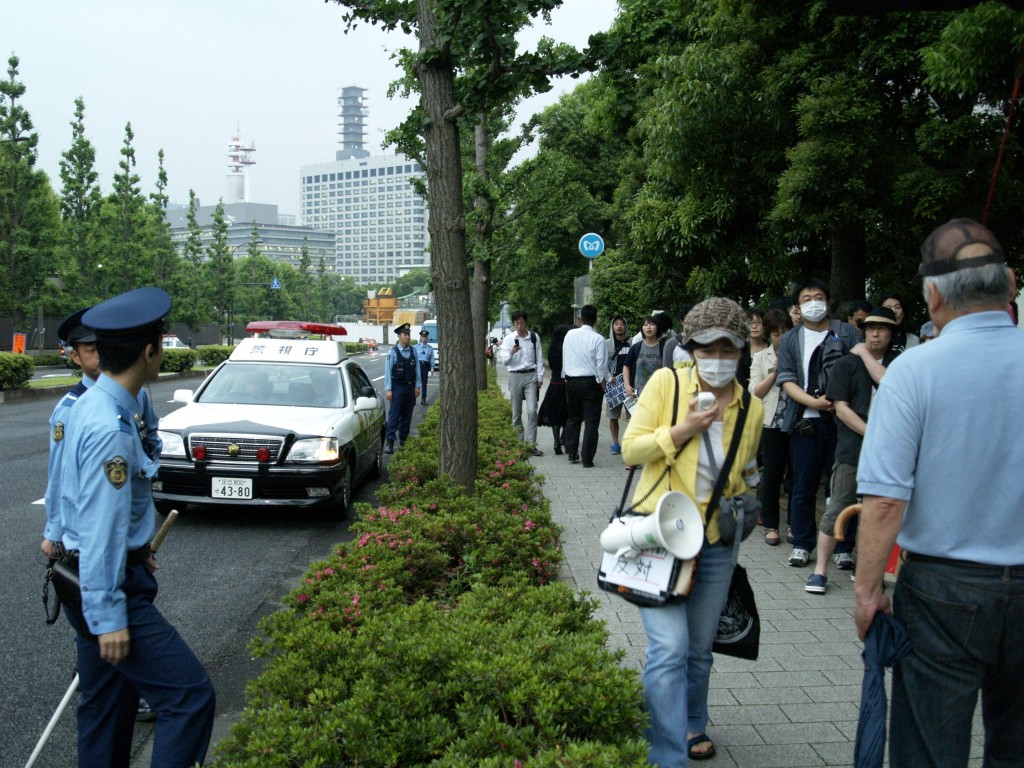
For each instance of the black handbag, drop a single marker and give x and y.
(739, 626)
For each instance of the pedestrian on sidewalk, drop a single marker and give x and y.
(585, 358)
(680, 634)
(554, 409)
(521, 354)
(940, 475)
(618, 349)
(851, 387)
(764, 369)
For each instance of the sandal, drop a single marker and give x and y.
(771, 537)
(700, 755)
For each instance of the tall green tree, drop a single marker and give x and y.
(29, 211)
(191, 305)
(80, 208)
(306, 279)
(220, 268)
(164, 254)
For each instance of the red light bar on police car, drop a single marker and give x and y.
(292, 328)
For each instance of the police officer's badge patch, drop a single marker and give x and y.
(58, 431)
(116, 471)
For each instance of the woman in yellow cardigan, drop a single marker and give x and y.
(680, 634)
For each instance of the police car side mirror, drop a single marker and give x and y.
(366, 403)
(182, 396)
(368, 391)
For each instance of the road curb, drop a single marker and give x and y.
(13, 396)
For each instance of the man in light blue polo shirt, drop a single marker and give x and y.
(941, 474)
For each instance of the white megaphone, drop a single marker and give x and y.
(675, 526)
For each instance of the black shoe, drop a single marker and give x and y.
(558, 450)
(401, 443)
(423, 402)
(573, 459)
(588, 466)
(389, 446)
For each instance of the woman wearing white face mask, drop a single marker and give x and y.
(680, 634)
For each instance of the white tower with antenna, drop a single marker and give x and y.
(239, 159)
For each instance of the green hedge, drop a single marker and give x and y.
(15, 370)
(177, 360)
(440, 635)
(214, 354)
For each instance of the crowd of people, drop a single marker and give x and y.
(817, 382)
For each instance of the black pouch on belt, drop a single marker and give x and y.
(64, 577)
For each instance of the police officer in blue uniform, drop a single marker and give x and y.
(401, 388)
(125, 646)
(85, 356)
(425, 356)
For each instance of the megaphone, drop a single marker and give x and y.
(675, 526)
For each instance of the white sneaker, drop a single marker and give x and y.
(799, 558)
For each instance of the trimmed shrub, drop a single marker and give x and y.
(213, 354)
(178, 360)
(41, 359)
(15, 370)
(440, 636)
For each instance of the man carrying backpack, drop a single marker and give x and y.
(806, 355)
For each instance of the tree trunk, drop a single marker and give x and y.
(447, 225)
(849, 266)
(481, 289)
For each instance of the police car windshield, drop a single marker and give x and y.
(306, 386)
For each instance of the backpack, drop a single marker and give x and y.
(823, 358)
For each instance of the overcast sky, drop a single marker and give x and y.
(188, 74)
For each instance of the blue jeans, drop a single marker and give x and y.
(965, 625)
(809, 456)
(678, 669)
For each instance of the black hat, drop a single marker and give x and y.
(403, 328)
(425, 332)
(880, 316)
(129, 315)
(73, 332)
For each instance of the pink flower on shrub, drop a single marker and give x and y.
(355, 599)
(529, 525)
(506, 486)
(302, 598)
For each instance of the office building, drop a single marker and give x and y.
(369, 203)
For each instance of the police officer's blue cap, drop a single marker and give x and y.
(72, 331)
(128, 315)
(403, 328)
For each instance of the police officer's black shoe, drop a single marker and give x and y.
(145, 713)
(401, 443)
(389, 446)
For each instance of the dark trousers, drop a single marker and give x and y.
(775, 456)
(809, 457)
(965, 626)
(162, 668)
(424, 373)
(403, 402)
(584, 398)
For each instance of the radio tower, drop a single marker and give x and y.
(239, 158)
(352, 114)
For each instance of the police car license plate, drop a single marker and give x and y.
(231, 488)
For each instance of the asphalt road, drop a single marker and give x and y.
(221, 571)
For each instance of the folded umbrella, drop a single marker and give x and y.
(885, 644)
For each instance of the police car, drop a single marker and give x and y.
(285, 421)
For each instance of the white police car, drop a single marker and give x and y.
(282, 422)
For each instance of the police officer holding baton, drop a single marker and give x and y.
(125, 646)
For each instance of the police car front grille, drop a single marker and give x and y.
(219, 447)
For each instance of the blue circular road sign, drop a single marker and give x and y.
(591, 245)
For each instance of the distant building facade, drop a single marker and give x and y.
(280, 239)
(369, 203)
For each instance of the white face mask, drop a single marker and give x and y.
(717, 372)
(813, 311)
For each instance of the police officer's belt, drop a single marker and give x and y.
(135, 557)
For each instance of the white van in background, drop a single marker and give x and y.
(430, 326)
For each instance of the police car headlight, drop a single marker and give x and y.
(173, 444)
(314, 450)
